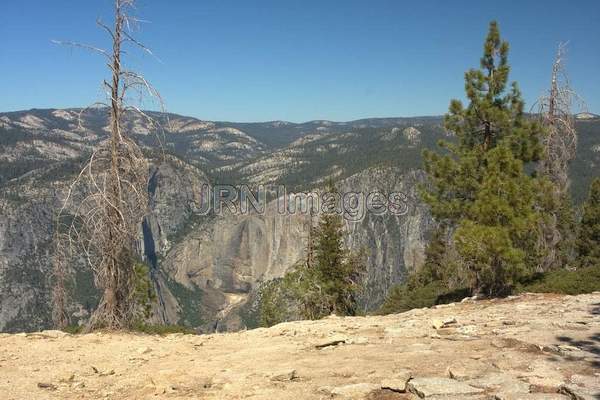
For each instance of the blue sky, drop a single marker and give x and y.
(295, 60)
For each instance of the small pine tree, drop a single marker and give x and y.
(479, 187)
(589, 234)
(337, 270)
(145, 294)
(328, 281)
(271, 310)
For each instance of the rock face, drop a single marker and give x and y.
(324, 359)
(204, 268)
(25, 234)
(26, 247)
(412, 134)
(225, 260)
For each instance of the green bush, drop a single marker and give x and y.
(415, 295)
(272, 308)
(73, 329)
(294, 296)
(580, 281)
(589, 231)
(140, 327)
(408, 296)
(157, 329)
(145, 294)
(402, 298)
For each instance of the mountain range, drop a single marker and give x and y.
(207, 269)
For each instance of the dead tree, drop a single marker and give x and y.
(555, 109)
(560, 145)
(104, 207)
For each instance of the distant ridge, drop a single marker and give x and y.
(586, 115)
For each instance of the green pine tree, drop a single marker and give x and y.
(145, 293)
(337, 269)
(435, 259)
(327, 281)
(478, 185)
(589, 234)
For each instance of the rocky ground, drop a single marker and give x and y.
(526, 347)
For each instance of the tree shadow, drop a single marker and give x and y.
(589, 345)
(453, 296)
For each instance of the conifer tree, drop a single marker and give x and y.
(327, 281)
(589, 235)
(337, 270)
(435, 259)
(479, 186)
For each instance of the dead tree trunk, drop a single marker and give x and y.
(108, 201)
(560, 145)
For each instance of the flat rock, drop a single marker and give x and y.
(259, 364)
(502, 383)
(428, 387)
(357, 391)
(397, 383)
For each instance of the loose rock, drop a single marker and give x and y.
(285, 376)
(44, 385)
(443, 323)
(330, 342)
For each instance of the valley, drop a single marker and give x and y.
(206, 269)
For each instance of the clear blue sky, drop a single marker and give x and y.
(295, 60)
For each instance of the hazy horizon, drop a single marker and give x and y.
(266, 121)
(265, 61)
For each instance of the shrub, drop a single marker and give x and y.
(580, 281)
(403, 298)
(589, 235)
(145, 293)
(413, 294)
(157, 329)
(141, 327)
(406, 297)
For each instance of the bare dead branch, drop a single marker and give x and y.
(560, 145)
(101, 214)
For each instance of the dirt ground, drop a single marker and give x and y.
(524, 347)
